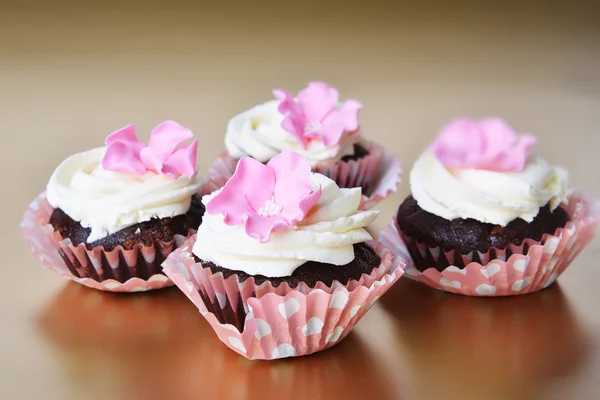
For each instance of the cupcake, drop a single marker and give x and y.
(285, 267)
(486, 217)
(111, 215)
(321, 128)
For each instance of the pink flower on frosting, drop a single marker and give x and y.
(266, 198)
(315, 114)
(163, 155)
(490, 144)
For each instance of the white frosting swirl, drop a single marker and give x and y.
(326, 235)
(108, 201)
(258, 133)
(492, 197)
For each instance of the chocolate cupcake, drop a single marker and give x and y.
(467, 235)
(480, 199)
(319, 127)
(283, 242)
(311, 272)
(114, 213)
(143, 233)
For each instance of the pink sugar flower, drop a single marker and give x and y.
(315, 114)
(490, 144)
(266, 198)
(126, 153)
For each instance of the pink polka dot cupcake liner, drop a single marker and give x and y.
(529, 267)
(378, 173)
(280, 321)
(119, 270)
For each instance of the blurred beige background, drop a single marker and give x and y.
(72, 72)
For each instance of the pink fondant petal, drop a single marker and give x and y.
(523, 148)
(165, 138)
(287, 102)
(298, 212)
(313, 114)
(504, 149)
(257, 182)
(151, 161)
(122, 158)
(498, 135)
(343, 119)
(490, 144)
(266, 198)
(317, 101)
(290, 124)
(332, 129)
(349, 111)
(127, 153)
(183, 160)
(293, 190)
(292, 177)
(379, 173)
(242, 194)
(125, 135)
(507, 155)
(456, 140)
(294, 121)
(261, 228)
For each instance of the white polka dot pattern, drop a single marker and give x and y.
(285, 324)
(484, 289)
(262, 328)
(312, 327)
(335, 335)
(283, 350)
(288, 308)
(521, 272)
(489, 270)
(339, 300)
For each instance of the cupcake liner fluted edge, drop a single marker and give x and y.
(529, 267)
(281, 321)
(135, 270)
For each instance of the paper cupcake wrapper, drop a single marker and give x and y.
(378, 173)
(280, 321)
(532, 266)
(118, 270)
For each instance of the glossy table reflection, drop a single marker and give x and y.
(71, 72)
(155, 346)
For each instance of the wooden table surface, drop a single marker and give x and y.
(72, 73)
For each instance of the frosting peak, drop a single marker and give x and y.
(258, 133)
(490, 144)
(483, 170)
(283, 197)
(487, 196)
(316, 114)
(126, 153)
(323, 232)
(108, 201)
